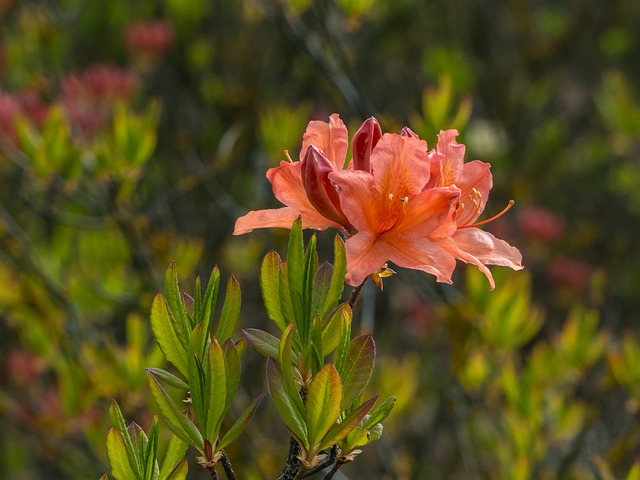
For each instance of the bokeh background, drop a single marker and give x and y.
(135, 133)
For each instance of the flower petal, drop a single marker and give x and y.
(451, 155)
(281, 218)
(480, 248)
(400, 165)
(359, 198)
(476, 174)
(430, 213)
(332, 138)
(366, 253)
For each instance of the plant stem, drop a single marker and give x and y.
(228, 469)
(213, 473)
(292, 467)
(333, 471)
(324, 464)
(355, 294)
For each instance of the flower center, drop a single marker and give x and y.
(469, 208)
(393, 212)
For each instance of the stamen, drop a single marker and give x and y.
(495, 217)
(286, 154)
(390, 198)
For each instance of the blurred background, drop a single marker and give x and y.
(135, 133)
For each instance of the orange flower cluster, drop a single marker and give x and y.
(395, 201)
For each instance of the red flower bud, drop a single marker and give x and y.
(407, 132)
(316, 168)
(363, 142)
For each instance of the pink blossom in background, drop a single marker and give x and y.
(568, 273)
(10, 109)
(153, 38)
(540, 225)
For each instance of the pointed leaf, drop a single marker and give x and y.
(238, 427)
(380, 413)
(334, 329)
(316, 347)
(321, 286)
(189, 306)
(180, 472)
(338, 277)
(120, 466)
(357, 368)
(182, 426)
(174, 300)
(166, 335)
(233, 370)
(289, 413)
(263, 342)
(216, 391)
(285, 358)
(176, 451)
(209, 306)
(118, 420)
(198, 377)
(230, 311)
(241, 347)
(270, 286)
(310, 267)
(286, 304)
(343, 342)
(324, 396)
(197, 301)
(104, 477)
(168, 378)
(151, 469)
(295, 271)
(342, 429)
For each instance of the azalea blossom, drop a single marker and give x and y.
(394, 201)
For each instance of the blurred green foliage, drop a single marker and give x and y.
(133, 134)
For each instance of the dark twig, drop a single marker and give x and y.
(228, 469)
(292, 468)
(333, 453)
(334, 470)
(355, 294)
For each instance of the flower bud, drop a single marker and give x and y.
(407, 132)
(363, 142)
(322, 194)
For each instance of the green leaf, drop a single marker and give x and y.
(239, 425)
(151, 470)
(197, 301)
(168, 378)
(270, 286)
(182, 426)
(104, 477)
(118, 420)
(380, 413)
(176, 451)
(324, 396)
(198, 377)
(310, 267)
(230, 311)
(334, 329)
(241, 347)
(342, 429)
(117, 452)
(286, 304)
(216, 391)
(166, 335)
(176, 306)
(295, 273)
(316, 346)
(357, 368)
(337, 279)
(285, 405)
(233, 370)
(285, 355)
(209, 303)
(180, 472)
(343, 341)
(263, 342)
(321, 286)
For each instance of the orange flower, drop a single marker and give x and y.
(394, 202)
(468, 243)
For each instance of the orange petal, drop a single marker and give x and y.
(360, 200)
(281, 218)
(430, 213)
(332, 138)
(451, 155)
(400, 165)
(475, 174)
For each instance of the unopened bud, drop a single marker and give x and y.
(363, 142)
(321, 193)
